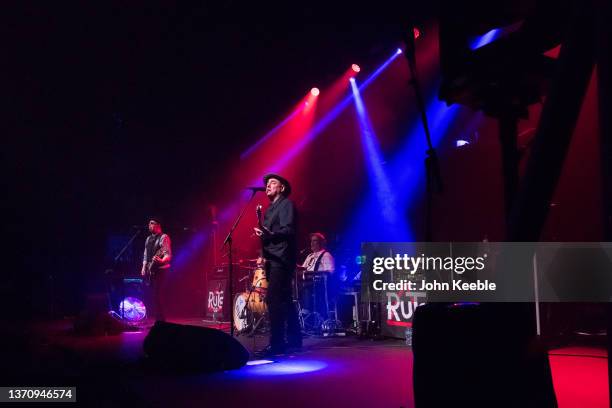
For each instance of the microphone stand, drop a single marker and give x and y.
(432, 168)
(228, 241)
(115, 260)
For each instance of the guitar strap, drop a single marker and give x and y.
(318, 263)
(158, 243)
(153, 245)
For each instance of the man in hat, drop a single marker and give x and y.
(278, 234)
(156, 264)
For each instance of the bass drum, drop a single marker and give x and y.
(257, 301)
(241, 322)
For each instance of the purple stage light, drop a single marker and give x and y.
(460, 143)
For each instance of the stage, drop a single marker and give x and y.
(329, 372)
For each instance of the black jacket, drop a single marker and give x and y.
(281, 219)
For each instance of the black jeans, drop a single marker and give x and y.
(158, 291)
(284, 322)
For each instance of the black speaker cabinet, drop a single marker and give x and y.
(479, 356)
(193, 348)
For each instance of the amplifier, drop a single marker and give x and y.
(218, 304)
(240, 275)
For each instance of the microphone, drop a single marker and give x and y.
(255, 189)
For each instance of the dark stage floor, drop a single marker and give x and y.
(330, 372)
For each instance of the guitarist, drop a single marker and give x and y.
(278, 234)
(156, 264)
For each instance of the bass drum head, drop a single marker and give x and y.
(240, 311)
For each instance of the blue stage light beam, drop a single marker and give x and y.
(374, 161)
(493, 35)
(186, 253)
(485, 39)
(406, 174)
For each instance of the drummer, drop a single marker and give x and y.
(319, 262)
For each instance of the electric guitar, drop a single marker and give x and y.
(258, 212)
(149, 266)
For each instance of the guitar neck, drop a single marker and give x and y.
(260, 225)
(259, 215)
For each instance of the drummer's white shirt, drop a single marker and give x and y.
(326, 264)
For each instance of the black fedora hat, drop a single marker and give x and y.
(283, 181)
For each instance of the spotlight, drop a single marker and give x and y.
(352, 79)
(314, 91)
(355, 67)
(460, 143)
(416, 33)
(399, 51)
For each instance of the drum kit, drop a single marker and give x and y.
(251, 310)
(249, 307)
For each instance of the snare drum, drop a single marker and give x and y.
(259, 279)
(257, 298)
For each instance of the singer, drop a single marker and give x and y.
(278, 233)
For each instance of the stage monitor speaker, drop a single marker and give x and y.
(468, 355)
(192, 348)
